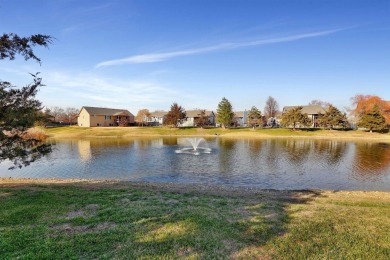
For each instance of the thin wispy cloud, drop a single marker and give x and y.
(91, 89)
(162, 56)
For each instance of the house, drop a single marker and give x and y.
(98, 116)
(313, 112)
(157, 118)
(240, 118)
(192, 117)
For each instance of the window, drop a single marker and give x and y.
(107, 117)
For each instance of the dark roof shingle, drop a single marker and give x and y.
(106, 111)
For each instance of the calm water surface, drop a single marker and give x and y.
(269, 164)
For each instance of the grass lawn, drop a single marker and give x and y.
(120, 220)
(88, 132)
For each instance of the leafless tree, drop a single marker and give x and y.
(321, 103)
(70, 115)
(271, 107)
(142, 116)
(57, 113)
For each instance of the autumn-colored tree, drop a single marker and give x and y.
(254, 116)
(365, 103)
(373, 120)
(201, 119)
(333, 118)
(294, 117)
(175, 116)
(142, 117)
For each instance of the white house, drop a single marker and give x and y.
(156, 118)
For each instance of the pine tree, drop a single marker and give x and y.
(225, 113)
(294, 117)
(19, 109)
(254, 116)
(201, 119)
(333, 118)
(373, 120)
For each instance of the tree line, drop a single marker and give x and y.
(58, 115)
(225, 115)
(369, 112)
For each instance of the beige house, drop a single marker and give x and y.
(98, 116)
(313, 112)
(193, 115)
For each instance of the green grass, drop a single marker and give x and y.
(83, 132)
(125, 221)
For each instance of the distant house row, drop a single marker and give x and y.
(97, 116)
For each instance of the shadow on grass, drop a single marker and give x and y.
(144, 221)
(221, 226)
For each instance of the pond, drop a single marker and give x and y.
(262, 163)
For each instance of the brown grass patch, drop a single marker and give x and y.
(35, 133)
(68, 228)
(251, 252)
(87, 212)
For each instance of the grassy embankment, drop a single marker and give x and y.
(82, 132)
(43, 220)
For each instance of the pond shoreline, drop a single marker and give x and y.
(219, 190)
(150, 132)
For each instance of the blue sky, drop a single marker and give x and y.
(149, 54)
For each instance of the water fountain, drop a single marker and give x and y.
(195, 149)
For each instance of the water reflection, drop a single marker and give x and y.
(378, 154)
(84, 150)
(264, 163)
(332, 151)
(228, 155)
(170, 141)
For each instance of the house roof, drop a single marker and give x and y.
(239, 113)
(310, 110)
(158, 113)
(106, 111)
(196, 113)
